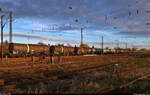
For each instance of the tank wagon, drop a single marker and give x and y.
(39, 49)
(20, 50)
(62, 50)
(17, 49)
(82, 50)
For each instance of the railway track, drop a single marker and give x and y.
(12, 83)
(61, 75)
(145, 73)
(144, 76)
(65, 87)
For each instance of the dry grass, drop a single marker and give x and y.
(94, 82)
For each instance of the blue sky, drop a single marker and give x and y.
(59, 21)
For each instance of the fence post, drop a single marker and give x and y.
(33, 59)
(24, 58)
(59, 58)
(51, 59)
(6, 57)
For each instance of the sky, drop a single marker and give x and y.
(60, 21)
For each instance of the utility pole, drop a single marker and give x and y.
(102, 45)
(126, 45)
(117, 43)
(81, 36)
(10, 33)
(2, 26)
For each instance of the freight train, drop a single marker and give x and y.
(21, 50)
